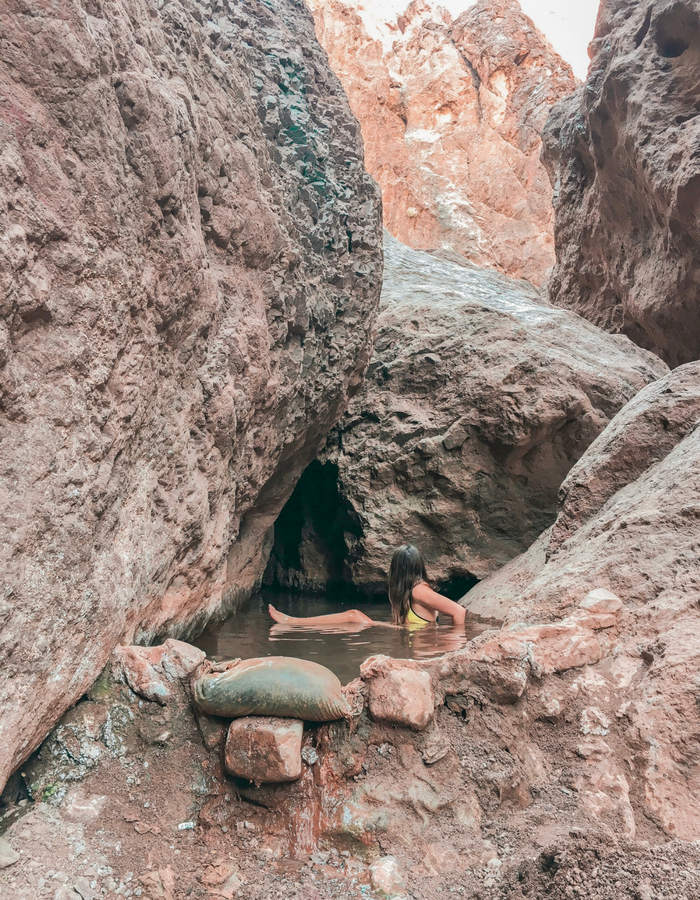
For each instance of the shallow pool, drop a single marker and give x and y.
(250, 632)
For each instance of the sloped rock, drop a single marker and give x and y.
(627, 180)
(641, 544)
(190, 264)
(264, 750)
(451, 114)
(469, 352)
(643, 433)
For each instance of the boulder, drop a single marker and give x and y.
(621, 157)
(153, 672)
(190, 264)
(400, 693)
(477, 403)
(451, 114)
(638, 543)
(264, 750)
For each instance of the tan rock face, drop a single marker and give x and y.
(451, 115)
(627, 179)
(190, 263)
(635, 534)
(477, 403)
(264, 750)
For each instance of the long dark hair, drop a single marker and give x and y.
(406, 571)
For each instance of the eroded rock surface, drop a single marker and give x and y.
(627, 179)
(478, 401)
(190, 267)
(635, 532)
(451, 114)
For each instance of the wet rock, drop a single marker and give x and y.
(8, 856)
(154, 672)
(451, 114)
(190, 261)
(399, 693)
(629, 248)
(264, 750)
(466, 350)
(386, 878)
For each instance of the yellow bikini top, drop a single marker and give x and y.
(413, 620)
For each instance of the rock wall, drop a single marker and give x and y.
(621, 155)
(478, 401)
(633, 531)
(190, 259)
(451, 114)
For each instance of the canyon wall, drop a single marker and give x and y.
(478, 401)
(622, 157)
(451, 113)
(190, 262)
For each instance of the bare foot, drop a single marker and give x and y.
(276, 615)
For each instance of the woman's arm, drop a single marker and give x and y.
(426, 596)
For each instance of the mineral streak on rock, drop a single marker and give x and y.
(477, 403)
(621, 156)
(190, 261)
(451, 115)
(634, 533)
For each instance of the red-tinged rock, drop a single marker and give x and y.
(399, 693)
(621, 152)
(154, 672)
(451, 114)
(264, 750)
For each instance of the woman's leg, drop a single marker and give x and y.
(350, 615)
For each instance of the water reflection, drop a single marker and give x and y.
(250, 632)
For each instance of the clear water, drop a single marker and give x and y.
(250, 632)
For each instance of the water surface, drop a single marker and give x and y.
(250, 632)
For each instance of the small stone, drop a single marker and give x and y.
(601, 601)
(8, 856)
(310, 756)
(264, 750)
(454, 437)
(82, 886)
(386, 878)
(594, 721)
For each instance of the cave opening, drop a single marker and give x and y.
(314, 535)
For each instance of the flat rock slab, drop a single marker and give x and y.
(264, 750)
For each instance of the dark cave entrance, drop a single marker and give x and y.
(315, 534)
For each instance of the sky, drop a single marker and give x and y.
(568, 24)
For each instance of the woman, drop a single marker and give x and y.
(413, 601)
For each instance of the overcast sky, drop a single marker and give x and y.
(568, 24)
